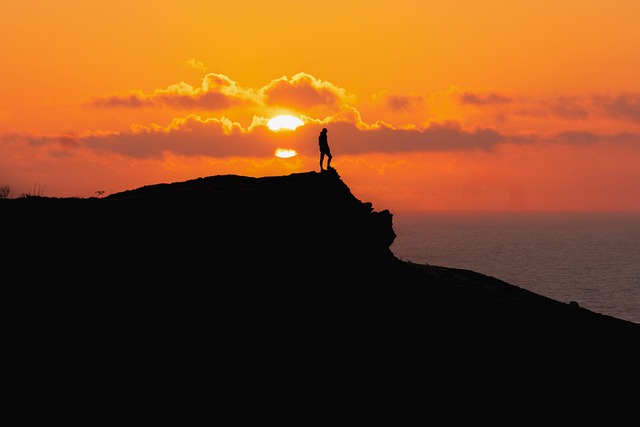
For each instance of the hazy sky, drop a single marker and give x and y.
(493, 104)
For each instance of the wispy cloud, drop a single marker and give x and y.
(624, 106)
(483, 98)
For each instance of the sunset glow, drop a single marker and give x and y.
(435, 105)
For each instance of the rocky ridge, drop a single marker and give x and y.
(286, 252)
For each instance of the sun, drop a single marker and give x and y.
(284, 121)
(285, 153)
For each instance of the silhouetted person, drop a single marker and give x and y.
(323, 143)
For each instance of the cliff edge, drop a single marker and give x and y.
(289, 253)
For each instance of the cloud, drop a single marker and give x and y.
(483, 98)
(577, 138)
(222, 138)
(572, 108)
(195, 64)
(217, 92)
(562, 107)
(301, 93)
(323, 104)
(189, 136)
(383, 138)
(404, 102)
(624, 106)
(304, 91)
(584, 138)
(304, 94)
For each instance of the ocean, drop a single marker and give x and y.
(592, 258)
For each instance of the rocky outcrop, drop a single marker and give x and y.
(297, 253)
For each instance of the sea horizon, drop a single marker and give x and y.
(587, 256)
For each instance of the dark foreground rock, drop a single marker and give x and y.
(266, 260)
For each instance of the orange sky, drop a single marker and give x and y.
(461, 105)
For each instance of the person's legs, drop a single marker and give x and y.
(321, 160)
(329, 157)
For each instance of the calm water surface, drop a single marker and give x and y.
(589, 257)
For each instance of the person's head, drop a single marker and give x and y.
(324, 130)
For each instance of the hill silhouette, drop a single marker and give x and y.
(284, 255)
